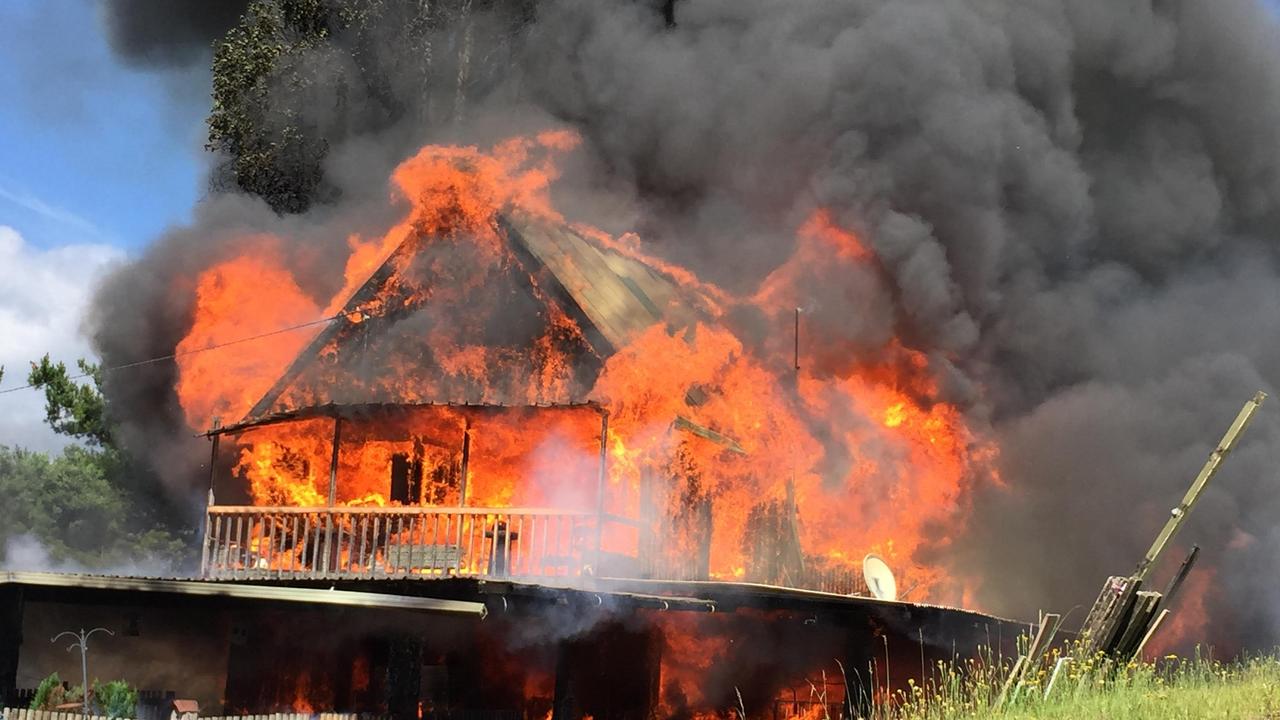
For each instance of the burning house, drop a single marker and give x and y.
(483, 460)
(495, 389)
(501, 466)
(506, 407)
(519, 469)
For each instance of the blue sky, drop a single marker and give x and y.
(90, 150)
(96, 160)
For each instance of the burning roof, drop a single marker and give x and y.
(587, 300)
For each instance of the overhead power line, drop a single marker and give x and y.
(175, 355)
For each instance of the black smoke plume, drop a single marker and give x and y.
(159, 33)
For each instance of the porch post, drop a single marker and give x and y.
(11, 609)
(466, 457)
(333, 462)
(208, 525)
(213, 455)
(601, 484)
(330, 549)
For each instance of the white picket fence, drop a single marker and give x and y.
(25, 714)
(287, 716)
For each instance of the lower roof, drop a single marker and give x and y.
(278, 593)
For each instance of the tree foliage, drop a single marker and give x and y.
(69, 504)
(49, 693)
(81, 505)
(78, 410)
(270, 150)
(116, 699)
(297, 77)
(66, 500)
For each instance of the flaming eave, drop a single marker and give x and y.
(375, 411)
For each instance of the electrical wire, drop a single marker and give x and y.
(175, 355)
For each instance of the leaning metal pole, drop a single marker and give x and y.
(1121, 610)
(82, 642)
(1178, 515)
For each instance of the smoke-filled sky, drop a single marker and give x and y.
(1076, 203)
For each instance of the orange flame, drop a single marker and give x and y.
(248, 295)
(1188, 616)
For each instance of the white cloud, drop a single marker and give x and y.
(43, 297)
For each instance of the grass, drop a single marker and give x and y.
(1093, 688)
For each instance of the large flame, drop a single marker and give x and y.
(851, 452)
(249, 295)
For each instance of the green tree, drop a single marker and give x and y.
(48, 693)
(78, 410)
(71, 505)
(296, 77)
(84, 505)
(65, 502)
(270, 148)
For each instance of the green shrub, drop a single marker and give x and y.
(116, 699)
(51, 693)
(43, 692)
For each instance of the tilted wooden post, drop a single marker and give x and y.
(213, 453)
(206, 547)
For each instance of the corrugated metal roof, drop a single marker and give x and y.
(621, 296)
(242, 591)
(718, 589)
(591, 588)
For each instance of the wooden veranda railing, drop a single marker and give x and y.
(250, 542)
(387, 542)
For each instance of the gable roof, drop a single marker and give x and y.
(612, 297)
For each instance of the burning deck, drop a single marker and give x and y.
(569, 522)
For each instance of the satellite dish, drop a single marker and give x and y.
(879, 578)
